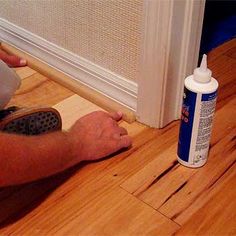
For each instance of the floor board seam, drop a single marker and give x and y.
(150, 206)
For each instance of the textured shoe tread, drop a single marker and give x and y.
(34, 123)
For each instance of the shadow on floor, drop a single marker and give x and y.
(18, 201)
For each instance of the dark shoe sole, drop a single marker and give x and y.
(32, 121)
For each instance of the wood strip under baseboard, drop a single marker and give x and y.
(65, 80)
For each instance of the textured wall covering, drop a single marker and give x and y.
(106, 32)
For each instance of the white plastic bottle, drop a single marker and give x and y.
(9, 83)
(199, 101)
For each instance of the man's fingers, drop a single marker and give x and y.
(116, 115)
(118, 132)
(12, 61)
(123, 131)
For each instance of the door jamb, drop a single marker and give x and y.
(170, 50)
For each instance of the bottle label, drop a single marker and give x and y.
(195, 128)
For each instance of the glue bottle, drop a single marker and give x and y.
(199, 101)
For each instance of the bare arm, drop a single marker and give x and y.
(24, 158)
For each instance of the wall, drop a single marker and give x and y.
(106, 32)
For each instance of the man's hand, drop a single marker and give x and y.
(98, 135)
(27, 158)
(11, 60)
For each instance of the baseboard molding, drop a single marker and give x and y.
(79, 69)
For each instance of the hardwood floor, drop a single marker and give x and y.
(141, 191)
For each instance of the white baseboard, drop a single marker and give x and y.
(98, 78)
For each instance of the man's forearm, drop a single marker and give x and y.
(27, 158)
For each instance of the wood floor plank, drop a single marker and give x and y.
(231, 52)
(218, 215)
(222, 49)
(163, 165)
(171, 188)
(106, 214)
(222, 154)
(73, 108)
(159, 179)
(37, 90)
(180, 204)
(146, 146)
(24, 72)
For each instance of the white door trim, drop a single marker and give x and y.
(171, 41)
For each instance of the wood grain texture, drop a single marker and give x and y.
(222, 207)
(75, 86)
(176, 191)
(115, 212)
(139, 191)
(222, 49)
(24, 72)
(38, 90)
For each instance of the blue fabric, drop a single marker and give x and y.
(219, 24)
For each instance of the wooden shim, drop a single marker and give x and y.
(73, 108)
(24, 72)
